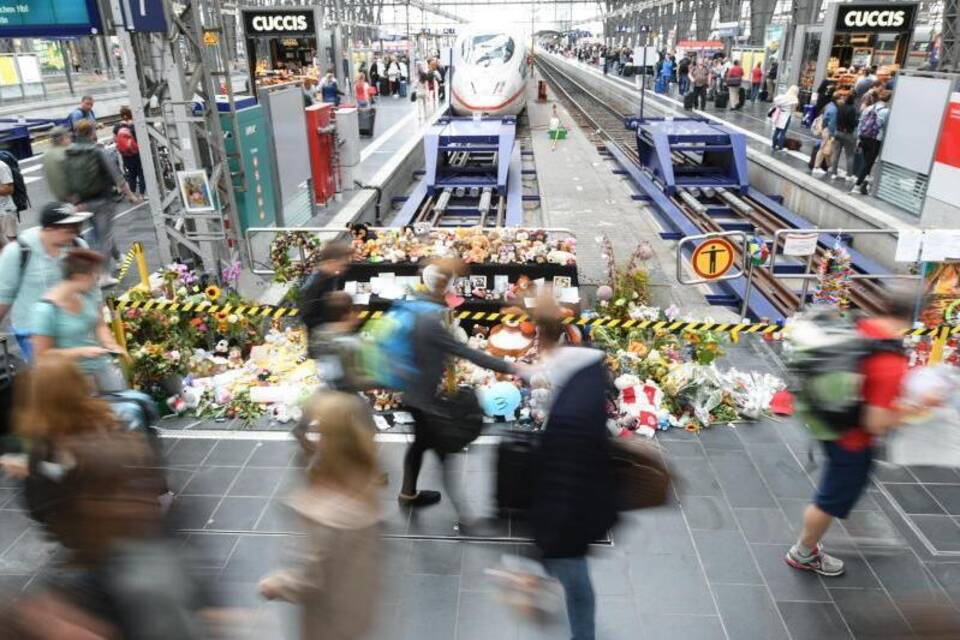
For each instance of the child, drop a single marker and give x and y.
(555, 127)
(336, 583)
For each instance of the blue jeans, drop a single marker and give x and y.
(581, 605)
(754, 92)
(684, 83)
(26, 347)
(780, 137)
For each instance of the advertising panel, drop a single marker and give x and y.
(49, 18)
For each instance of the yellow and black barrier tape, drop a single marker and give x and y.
(135, 249)
(678, 326)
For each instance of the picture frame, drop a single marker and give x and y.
(195, 191)
(478, 282)
(562, 282)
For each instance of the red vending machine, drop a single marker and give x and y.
(320, 138)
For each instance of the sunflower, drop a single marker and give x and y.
(212, 292)
(221, 315)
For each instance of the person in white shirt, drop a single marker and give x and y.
(554, 127)
(393, 75)
(8, 210)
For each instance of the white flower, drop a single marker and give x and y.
(232, 318)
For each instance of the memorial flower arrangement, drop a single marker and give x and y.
(626, 293)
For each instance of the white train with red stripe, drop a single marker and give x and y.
(489, 72)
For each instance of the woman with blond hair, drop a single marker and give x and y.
(95, 489)
(336, 582)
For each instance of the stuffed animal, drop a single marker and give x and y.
(638, 404)
(479, 249)
(222, 348)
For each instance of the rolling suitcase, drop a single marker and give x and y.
(366, 118)
(689, 99)
(720, 100)
(402, 90)
(515, 457)
(764, 95)
(793, 144)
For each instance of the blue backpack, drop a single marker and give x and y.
(387, 355)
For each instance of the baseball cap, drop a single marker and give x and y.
(54, 213)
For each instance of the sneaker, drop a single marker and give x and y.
(817, 172)
(818, 562)
(851, 178)
(422, 499)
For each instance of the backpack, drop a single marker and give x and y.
(870, 124)
(126, 142)
(87, 177)
(816, 127)
(20, 197)
(387, 355)
(826, 355)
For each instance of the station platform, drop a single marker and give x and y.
(752, 122)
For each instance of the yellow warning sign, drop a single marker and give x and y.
(210, 38)
(712, 258)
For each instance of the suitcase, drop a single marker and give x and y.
(764, 95)
(366, 118)
(661, 85)
(689, 99)
(515, 457)
(793, 144)
(640, 473)
(720, 100)
(402, 90)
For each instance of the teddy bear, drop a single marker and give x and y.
(519, 290)
(639, 404)
(479, 249)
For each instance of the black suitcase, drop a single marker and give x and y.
(689, 99)
(720, 100)
(366, 118)
(764, 95)
(515, 459)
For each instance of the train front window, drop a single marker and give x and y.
(488, 50)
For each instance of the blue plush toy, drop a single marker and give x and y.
(500, 399)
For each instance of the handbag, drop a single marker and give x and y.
(454, 422)
(772, 113)
(413, 95)
(641, 476)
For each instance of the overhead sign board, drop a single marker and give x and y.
(713, 258)
(144, 16)
(49, 18)
(281, 23)
(875, 18)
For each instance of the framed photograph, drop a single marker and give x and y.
(195, 191)
(478, 282)
(562, 282)
(462, 286)
(364, 288)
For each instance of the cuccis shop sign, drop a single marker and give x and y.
(876, 17)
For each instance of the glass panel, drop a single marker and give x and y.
(488, 50)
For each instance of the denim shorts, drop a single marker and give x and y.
(844, 478)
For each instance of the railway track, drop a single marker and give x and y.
(603, 120)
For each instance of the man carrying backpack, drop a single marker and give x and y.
(54, 163)
(432, 345)
(874, 351)
(125, 139)
(873, 122)
(91, 178)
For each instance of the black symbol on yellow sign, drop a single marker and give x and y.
(712, 258)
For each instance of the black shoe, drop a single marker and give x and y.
(863, 189)
(422, 499)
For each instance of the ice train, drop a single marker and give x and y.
(489, 72)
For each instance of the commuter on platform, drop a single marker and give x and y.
(83, 112)
(54, 168)
(393, 75)
(683, 75)
(734, 81)
(756, 82)
(700, 81)
(309, 90)
(846, 137)
(330, 90)
(782, 114)
(363, 91)
(828, 134)
(870, 130)
(573, 484)
(335, 577)
(423, 95)
(9, 217)
(333, 261)
(772, 72)
(31, 265)
(125, 138)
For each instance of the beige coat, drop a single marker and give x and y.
(337, 578)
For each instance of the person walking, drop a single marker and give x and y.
(781, 114)
(92, 177)
(9, 217)
(845, 139)
(700, 80)
(574, 489)
(849, 451)
(422, 95)
(432, 346)
(125, 139)
(337, 577)
(393, 75)
(870, 130)
(54, 163)
(332, 262)
(683, 75)
(734, 81)
(756, 82)
(30, 266)
(363, 91)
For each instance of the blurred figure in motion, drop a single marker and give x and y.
(54, 169)
(31, 265)
(333, 260)
(848, 442)
(94, 488)
(432, 345)
(336, 577)
(573, 486)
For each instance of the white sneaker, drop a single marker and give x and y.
(818, 172)
(818, 562)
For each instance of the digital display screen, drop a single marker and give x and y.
(48, 18)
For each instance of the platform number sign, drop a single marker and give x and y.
(713, 258)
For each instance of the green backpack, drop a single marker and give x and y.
(87, 177)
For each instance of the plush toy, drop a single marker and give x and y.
(508, 338)
(520, 290)
(235, 357)
(479, 338)
(561, 257)
(479, 249)
(222, 349)
(501, 399)
(638, 404)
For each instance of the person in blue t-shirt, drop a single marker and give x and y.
(83, 112)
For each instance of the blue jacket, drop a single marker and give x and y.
(830, 118)
(330, 92)
(667, 69)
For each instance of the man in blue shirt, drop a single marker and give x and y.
(23, 282)
(83, 112)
